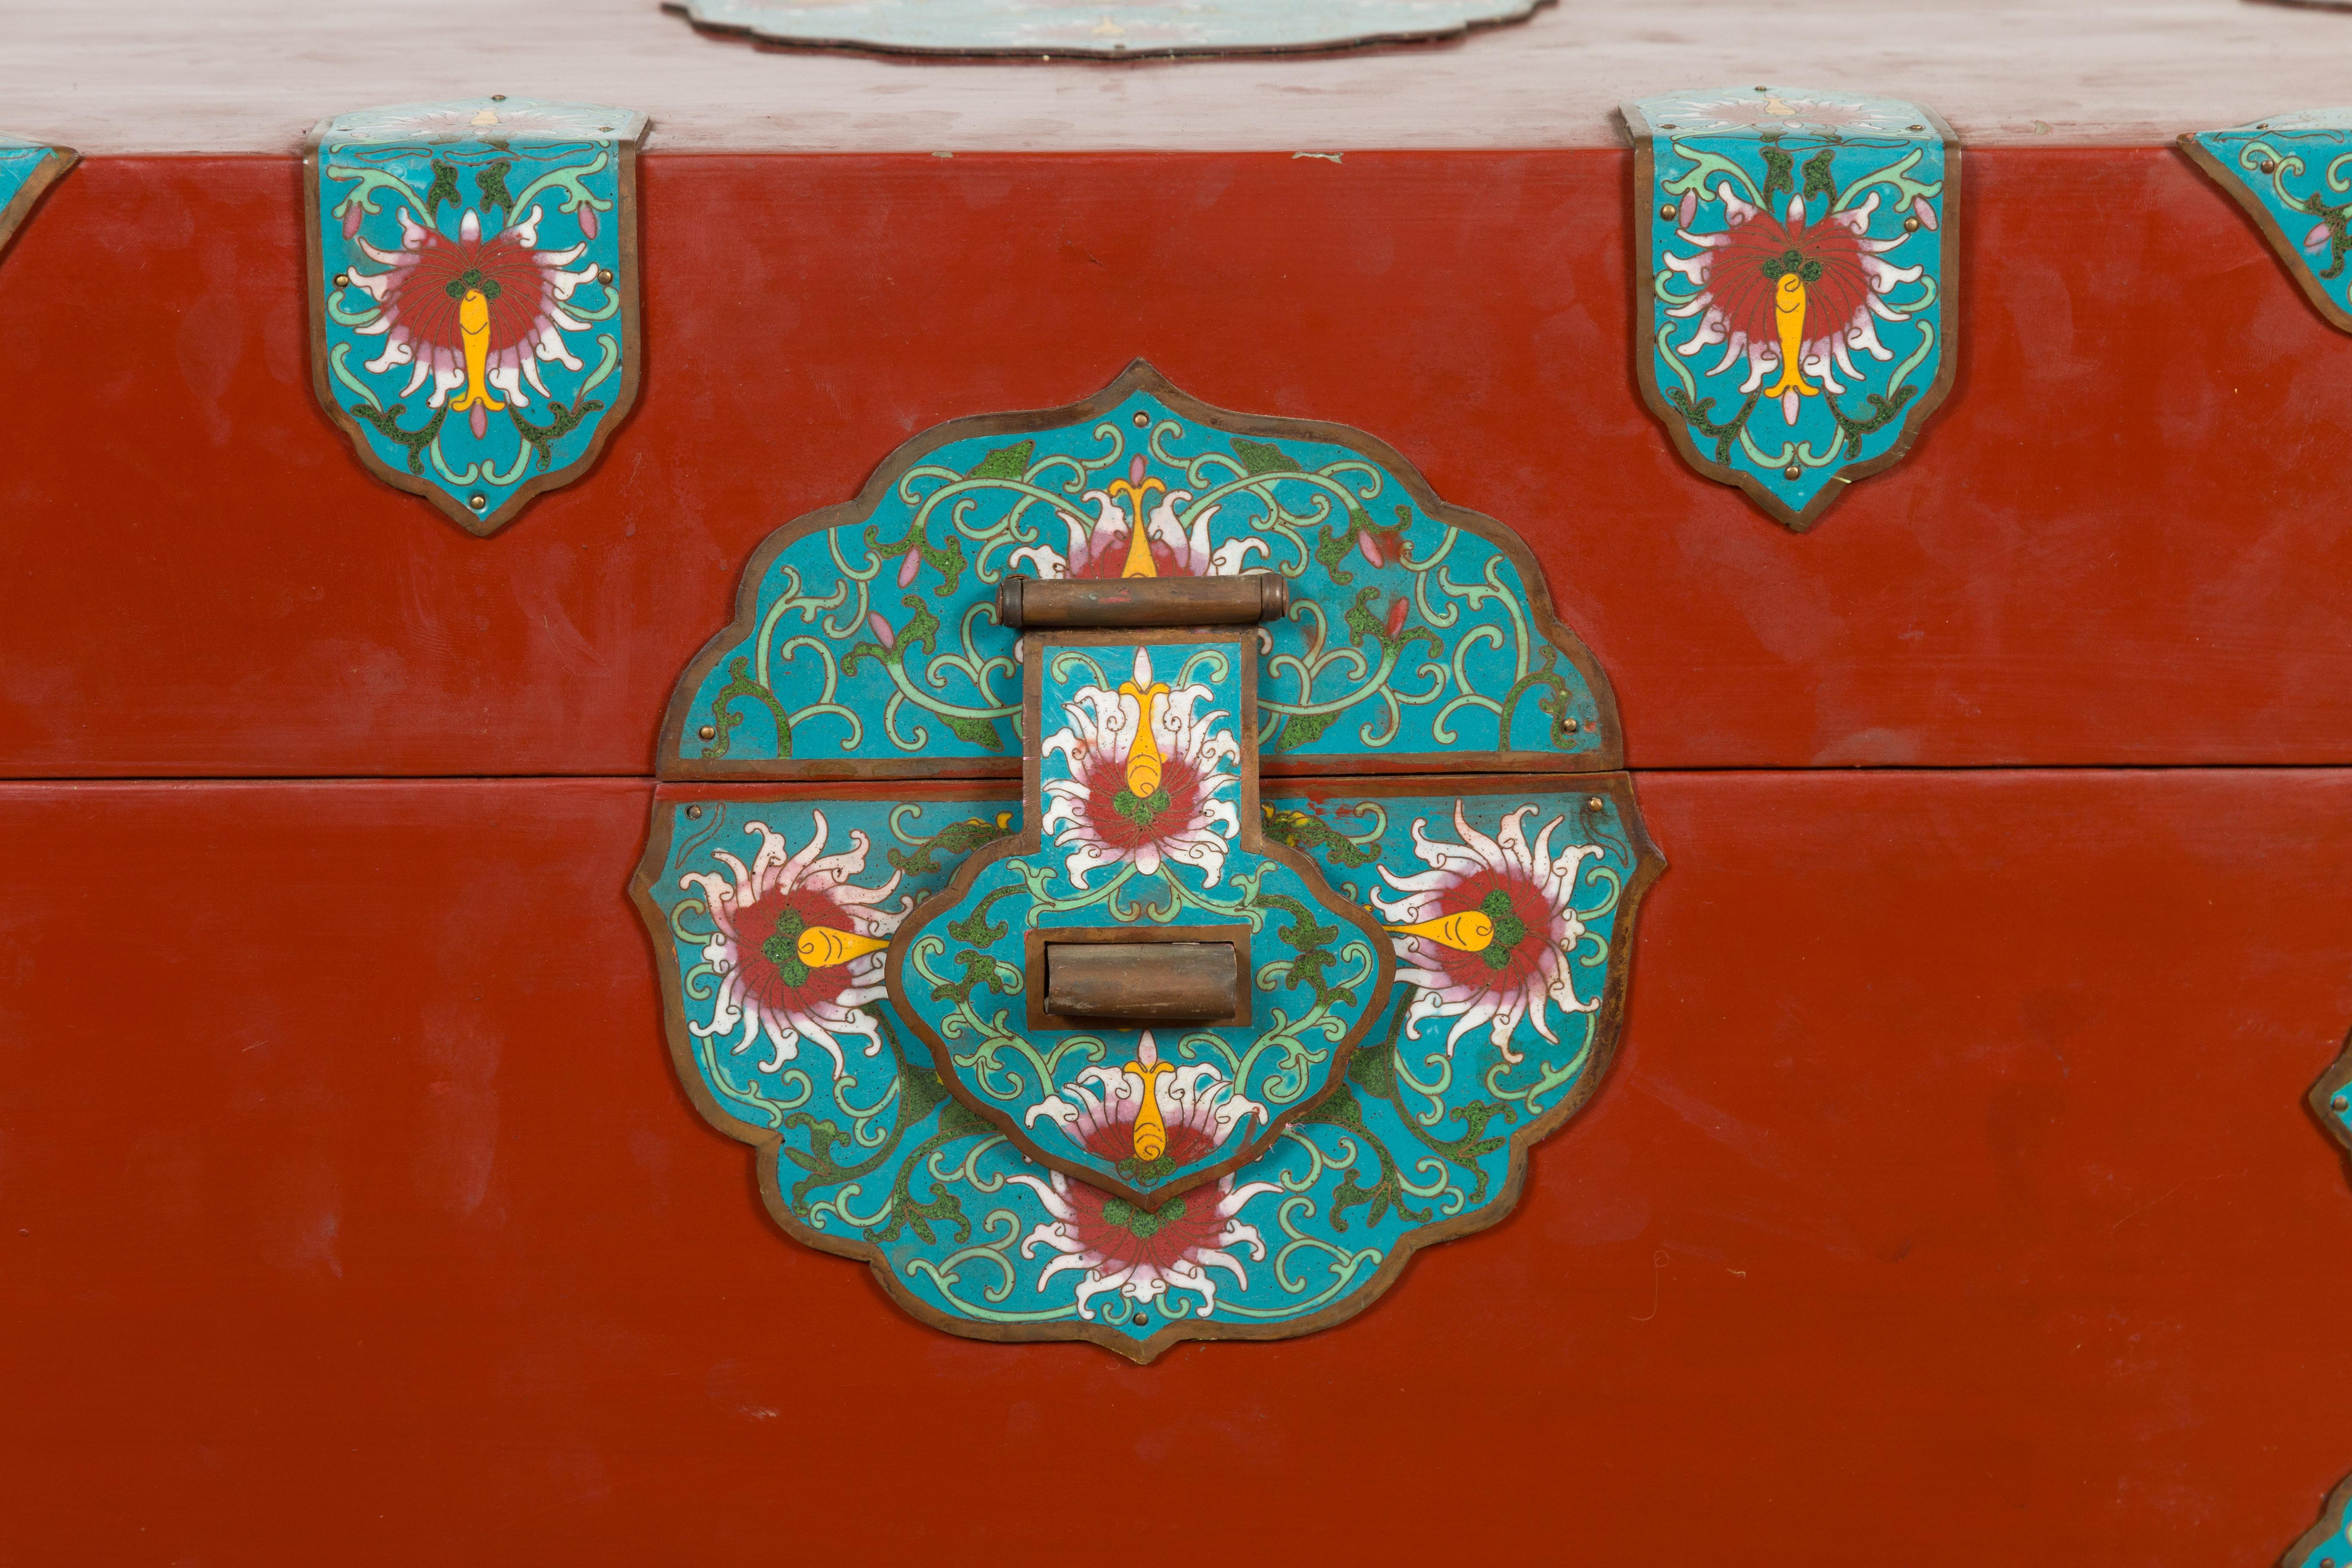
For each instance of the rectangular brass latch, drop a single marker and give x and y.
(1118, 978)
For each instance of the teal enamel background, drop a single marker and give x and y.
(2297, 170)
(1416, 1135)
(878, 641)
(1804, 166)
(534, 195)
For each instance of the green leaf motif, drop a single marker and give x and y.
(1305, 832)
(1005, 463)
(1264, 458)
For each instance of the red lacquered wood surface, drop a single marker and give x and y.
(2120, 541)
(1952, 1202)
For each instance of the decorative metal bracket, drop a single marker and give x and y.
(1793, 249)
(1097, 30)
(27, 170)
(474, 293)
(2288, 172)
(1339, 1012)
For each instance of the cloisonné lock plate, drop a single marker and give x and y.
(1141, 811)
(882, 808)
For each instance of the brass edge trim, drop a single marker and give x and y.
(37, 184)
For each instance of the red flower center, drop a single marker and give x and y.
(1122, 821)
(1488, 892)
(499, 267)
(1110, 557)
(766, 932)
(1115, 1142)
(1127, 1235)
(1746, 273)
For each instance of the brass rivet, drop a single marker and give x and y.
(604, 276)
(694, 810)
(1667, 126)
(2265, 125)
(2341, 1102)
(1593, 803)
(1141, 420)
(708, 732)
(1911, 225)
(498, 98)
(1918, 128)
(1763, 89)
(1792, 472)
(480, 503)
(343, 280)
(2265, 165)
(1570, 725)
(1667, 210)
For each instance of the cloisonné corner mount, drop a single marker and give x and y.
(27, 170)
(473, 293)
(1437, 967)
(2289, 174)
(1095, 29)
(1795, 263)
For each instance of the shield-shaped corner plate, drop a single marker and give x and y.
(2285, 171)
(28, 169)
(1796, 274)
(474, 293)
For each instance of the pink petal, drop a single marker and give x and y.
(1135, 470)
(1923, 212)
(1790, 403)
(1690, 208)
(1369, 546)
(882, 631)
(907, 567)
(351, 220)
(587, 221)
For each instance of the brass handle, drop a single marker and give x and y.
(1143, 601)
(1142, 981)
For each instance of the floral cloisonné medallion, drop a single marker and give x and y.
(2293, 174)
(1793, 248)
(1094, 29)
(474, 293)
(1426, 974)
(27, 170)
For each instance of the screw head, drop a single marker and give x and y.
(1141, 420)
(708, 732)
(2341, 1102)
(604, 276)
(479, 503)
